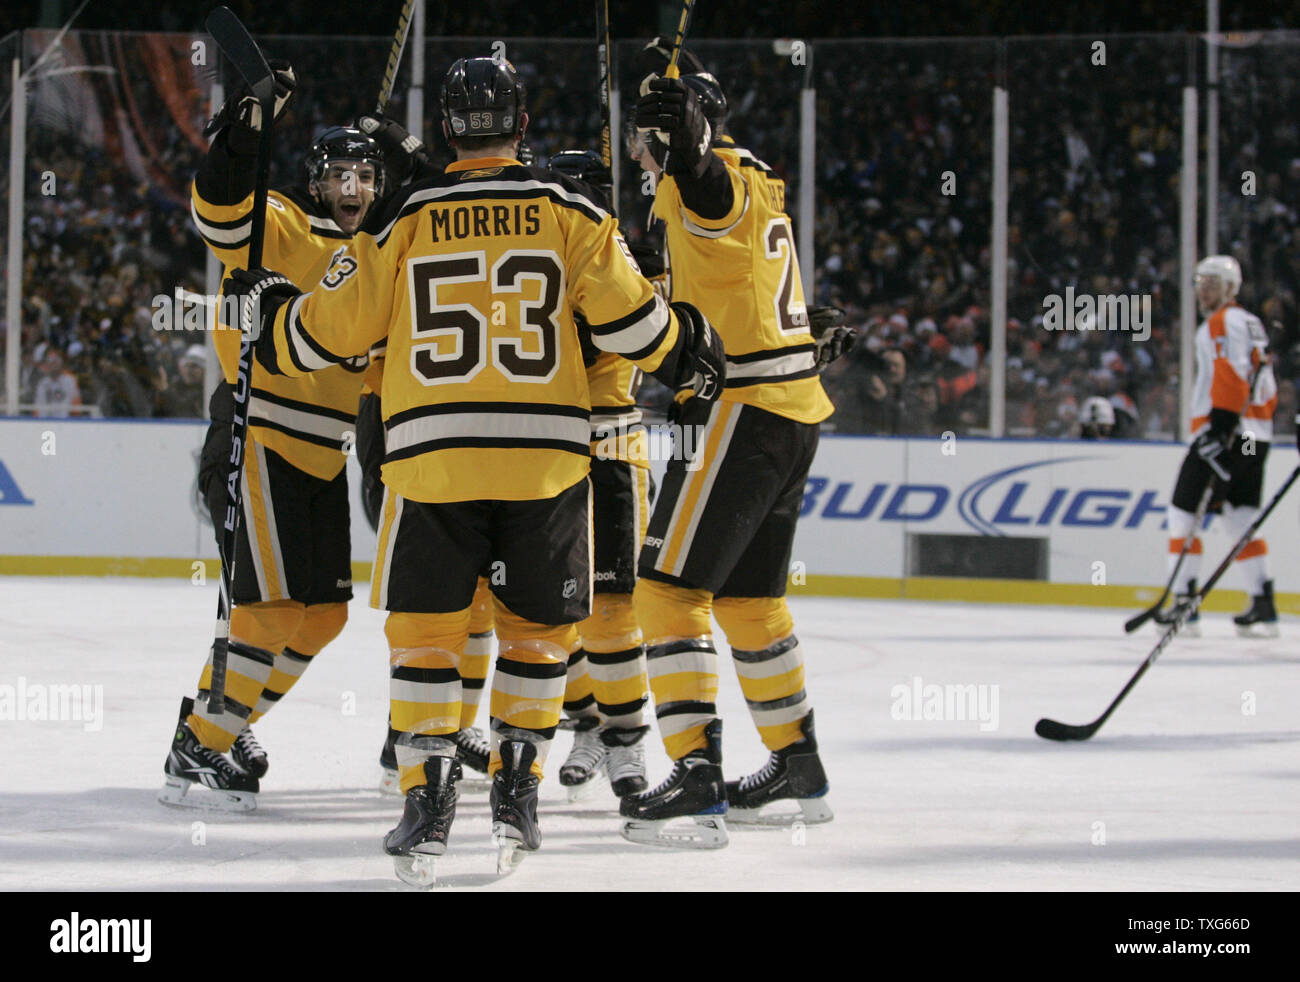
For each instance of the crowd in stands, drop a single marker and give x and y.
(902, 220)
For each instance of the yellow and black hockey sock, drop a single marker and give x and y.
(321, 624)
(681, 662)
(528, 684)
(769, 664)
(615, 659)
(579, 694)
(257, 632)
(477, 658)
(424, 687)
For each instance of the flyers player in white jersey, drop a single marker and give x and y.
(1233, 402)
(721, 535)
(474, 276)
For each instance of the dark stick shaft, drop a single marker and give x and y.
(394, 57)
(242, 52)
(603, 58)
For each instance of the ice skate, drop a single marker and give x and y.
(249, 755)
(582, 773)
(1192, 626)
(474, 752)
(390, 780)
(421, 836)
(198, 777)
(625, 759)
(514, 805)
(1260, 619)
(793, 773)
(694, 790)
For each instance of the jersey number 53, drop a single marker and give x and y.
(451, 339)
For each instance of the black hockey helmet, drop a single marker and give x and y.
(344, 143)
(654, 59)
(483, 97)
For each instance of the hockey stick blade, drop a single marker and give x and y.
(1050, 729)
(239, 47)
(1137, 620)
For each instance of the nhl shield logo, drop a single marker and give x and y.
(570, 588)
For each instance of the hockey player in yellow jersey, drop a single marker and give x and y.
(293, 560)
(475, 277)
(720, 538)
(606, 690)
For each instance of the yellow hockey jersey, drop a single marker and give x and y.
(474, 277)
(741, 271)
(307, 421)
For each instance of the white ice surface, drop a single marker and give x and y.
(1189, 791)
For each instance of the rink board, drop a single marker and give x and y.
(969, 519)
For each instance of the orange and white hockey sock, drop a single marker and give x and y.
(1253, 559)
(1180, 528)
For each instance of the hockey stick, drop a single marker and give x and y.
(1137, 620)
(602, 56)
(394, 58)
(672, 70)
(1050, 729)
(242, 52)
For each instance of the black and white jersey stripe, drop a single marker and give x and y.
(320, 425)
(509, 425)
(780, 365)
(636, 335)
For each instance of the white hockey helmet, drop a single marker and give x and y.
(1097, 411)
(1227, 269)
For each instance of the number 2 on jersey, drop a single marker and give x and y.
(778, 243)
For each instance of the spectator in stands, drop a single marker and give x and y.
(182, 395)
(57, 393)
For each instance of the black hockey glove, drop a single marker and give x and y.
(701, 360)
(649, 259)
(1214, 453)
(833, 339)
(261, 293)
(587, 167)
(404, 154)
(671, 107)
(242, 113)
